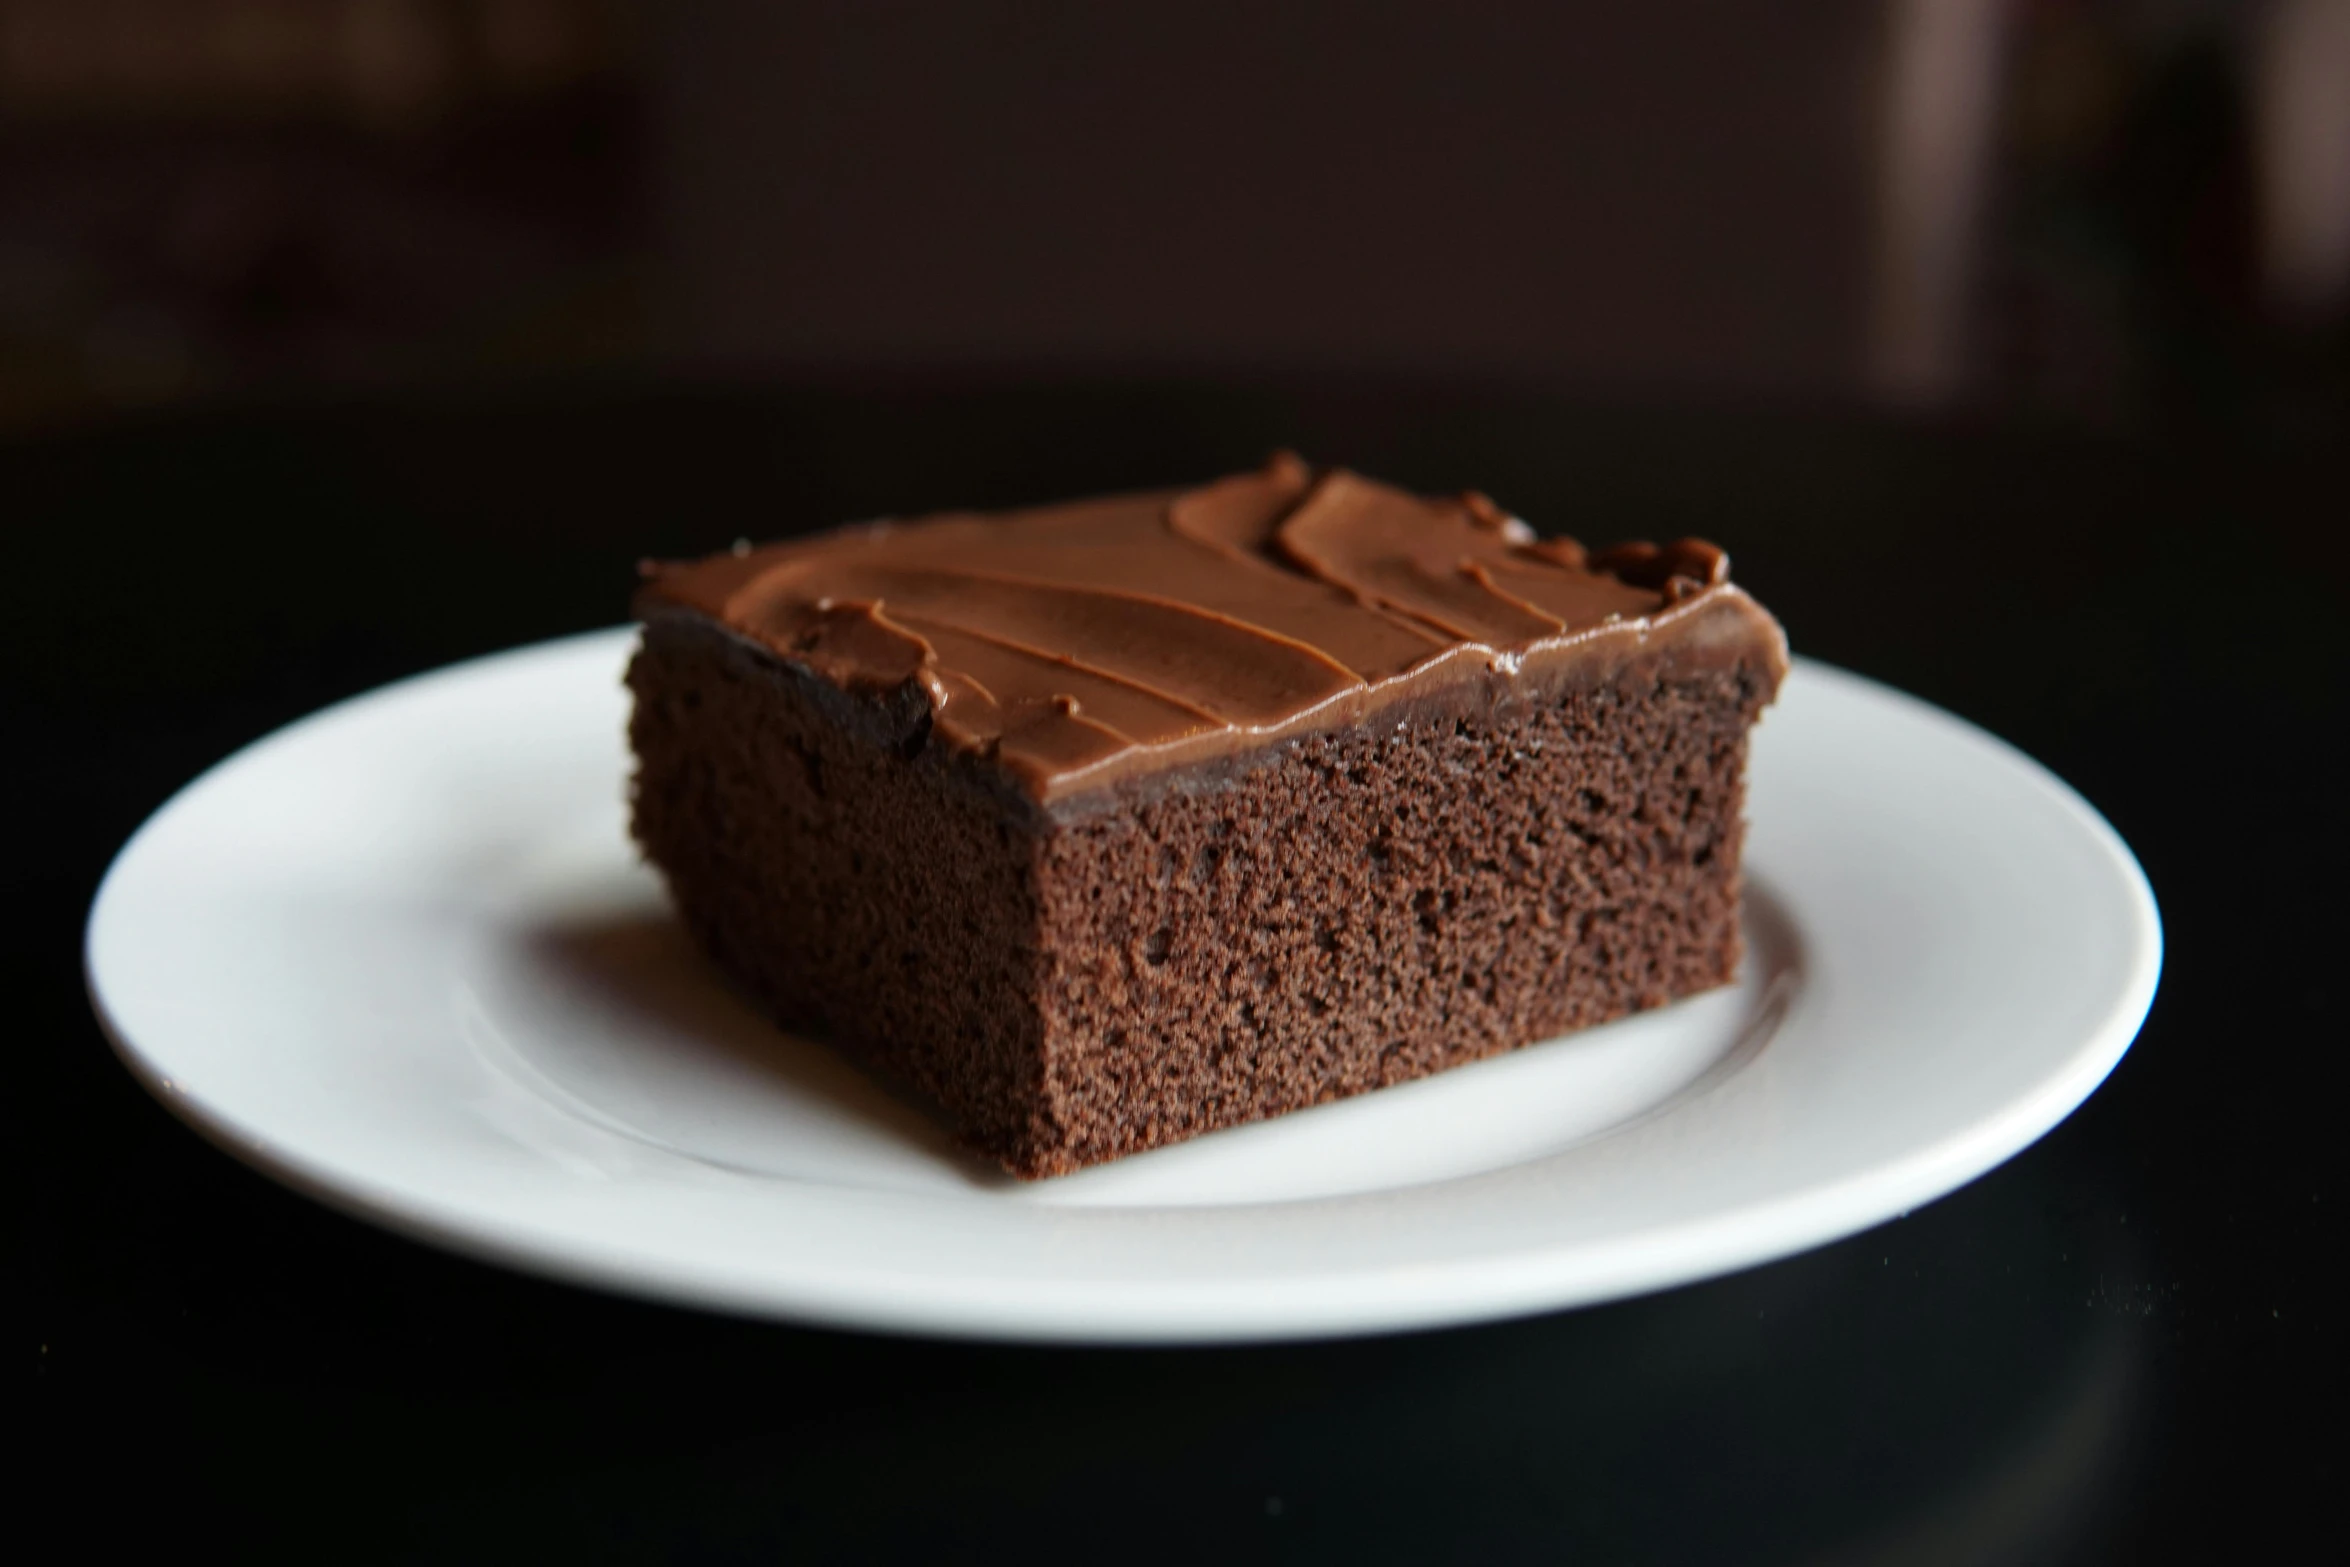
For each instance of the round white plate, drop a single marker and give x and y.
(402, 956)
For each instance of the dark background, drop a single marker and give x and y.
(2003, 345)
(2093, 212)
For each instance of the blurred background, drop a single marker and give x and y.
(340, 339)
(2113, 213)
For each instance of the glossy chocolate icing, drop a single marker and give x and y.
(1086, 643)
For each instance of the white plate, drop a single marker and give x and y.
(401, 956)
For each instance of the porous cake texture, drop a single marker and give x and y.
(1104, 825)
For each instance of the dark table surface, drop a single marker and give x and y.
(2117, 1347)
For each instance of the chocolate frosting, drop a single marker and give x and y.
(1089, 642)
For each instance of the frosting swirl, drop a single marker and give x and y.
(1085, 642)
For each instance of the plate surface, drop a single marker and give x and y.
(401, 956)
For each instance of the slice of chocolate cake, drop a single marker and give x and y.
(1107, 824)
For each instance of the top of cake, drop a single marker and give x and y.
(1091, 641)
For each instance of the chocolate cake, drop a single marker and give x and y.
(1106, 824)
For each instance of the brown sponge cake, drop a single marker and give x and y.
(1106, 824)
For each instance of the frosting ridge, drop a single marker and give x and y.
(1083, 642)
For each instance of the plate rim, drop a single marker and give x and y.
(1472, 1289)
